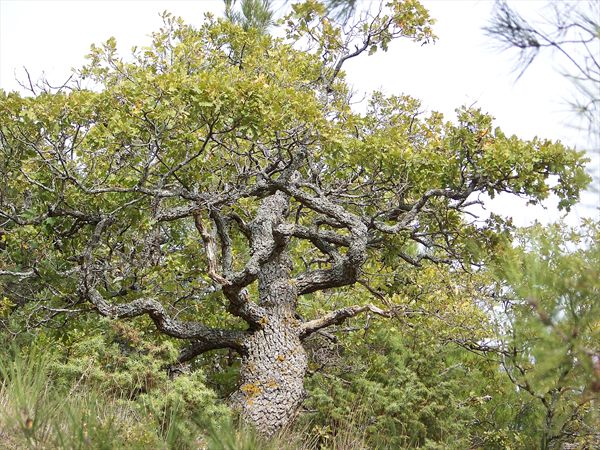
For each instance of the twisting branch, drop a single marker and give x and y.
(226, 244)
(318, 237)
(263, 246)
(240, 305)
(372, 34)
(214, 337)
(406, 218)
(341, 274)
(339, 316)
(211, 337)
(233, 340)
(263, 241)
(345, 269)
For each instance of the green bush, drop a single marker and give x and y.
(93, 394)
(394, 391)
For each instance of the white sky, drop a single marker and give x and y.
(462, 68)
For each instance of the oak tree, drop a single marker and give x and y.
(217, 178)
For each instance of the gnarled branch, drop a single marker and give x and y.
(210, 248)
(165, 323)
(339, 316)
(233, 340)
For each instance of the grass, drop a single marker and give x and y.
(36, 413)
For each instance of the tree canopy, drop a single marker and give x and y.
(210, 180)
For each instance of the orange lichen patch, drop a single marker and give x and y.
(250, 390)
(263, 321)
(272, 383)
(291, 321)
(280, 358)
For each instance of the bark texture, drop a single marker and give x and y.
(274, 362)
(272, 377)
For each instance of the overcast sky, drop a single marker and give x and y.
(462, 68)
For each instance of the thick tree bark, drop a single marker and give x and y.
(272, 377)
(274, 362)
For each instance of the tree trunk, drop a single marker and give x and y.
(274, 364)
(272, 377)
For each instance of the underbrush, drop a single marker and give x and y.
(107, 388)
(40, 411)
(102, 395)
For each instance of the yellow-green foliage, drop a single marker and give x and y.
(182, 407)
(214, 111)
